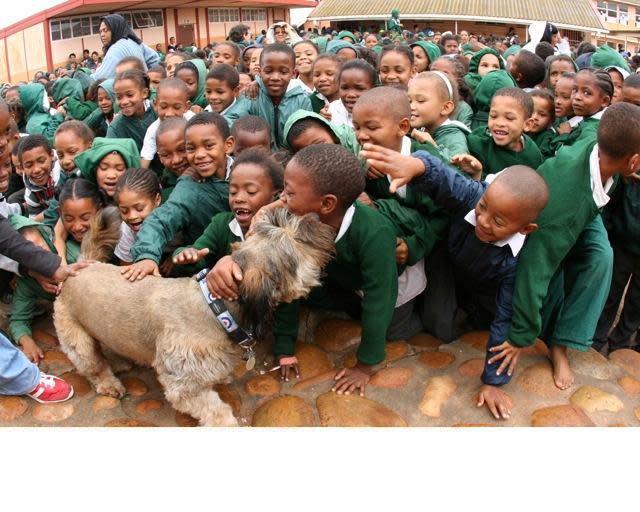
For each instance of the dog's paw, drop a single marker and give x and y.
(111, 387)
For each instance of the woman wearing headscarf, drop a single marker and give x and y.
(119, 42)
(541, 31)
(282, 32)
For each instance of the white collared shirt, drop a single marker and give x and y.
(515, 241)
(600, 191)
(235, 228)
(209, 108)
(576, 120)
(405, 150)
(149, 146)
(339, 114)
(346, 222)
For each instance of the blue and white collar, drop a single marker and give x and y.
(515, 241)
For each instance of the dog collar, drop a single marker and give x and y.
(241, 336)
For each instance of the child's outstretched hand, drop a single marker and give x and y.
(190, 255)
(223, 278)
(402, 251)
(196, 109)
(564, 128)
(352, 379)
(401, 168)
(510, 356)
(423, 137)
(140, 269)
(31, 349)
(469, 164)
(288, 365)
(496, 400)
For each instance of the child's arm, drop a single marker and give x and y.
(213, 242)
(31, 349)
(468, 164)
(23, 307)
(149, 146)
(60, 241)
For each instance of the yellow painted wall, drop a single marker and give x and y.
(17, 61)
(4, 74)
(35, 49)
(203, 20)
(171, 24)
(152, 36)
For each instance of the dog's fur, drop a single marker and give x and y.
(167, 324)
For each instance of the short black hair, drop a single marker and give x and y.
(632, 81)
(225, 73)
(32, 142)
(210, 118)
(307, 41)
(363, 66)
(138, 64)
(522, 98)
(234, 47)
(138, 179)
(402, 49)
(547, 95)
(448, 37)
(251, 124)
(332, 169)
(585, 47)
(187, 64)
(262, 158)
(544, 50)
(527, 187)
(79, 128)
(390, 100)
(158, 69)
(531, 67)
(135, 75)
(301, 126)
(172, 83)
(329, 56)
(80, 188)
(278, 48)
(169, 124)
(619, 130)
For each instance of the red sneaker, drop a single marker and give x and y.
(51, 389)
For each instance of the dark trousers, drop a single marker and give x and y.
(626, 269)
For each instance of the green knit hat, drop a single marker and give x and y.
(346, 33)
(336, 45)
(321, 43)
(107, 85)
(491, 83)
(88, 160)
(431, 49)
(514, 49)
(605, 57)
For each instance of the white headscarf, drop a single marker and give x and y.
(292, 36)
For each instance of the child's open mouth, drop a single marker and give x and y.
(242, 214)
(135, 226)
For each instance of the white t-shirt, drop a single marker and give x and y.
(126, 242)
(339, 114)
(149, 147)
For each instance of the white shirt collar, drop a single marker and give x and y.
(227, 109)
(346, 222)
(235, 228)
(405, 150)
(576, 120)
(599, 191)
(229, 166)
(515, 241)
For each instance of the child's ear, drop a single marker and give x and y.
(414, 71)
(328, 204)
(157, 200)
(528, 125)
(404, 126)
(145, 93)
(633, 164)
(229, 144)
(529, 228)
(448, 108)
(236, 91)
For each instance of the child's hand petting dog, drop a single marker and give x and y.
(402, 169)
(496, 400)
(222, 279)
(140, 269)
(352, 379)
(31, 349)
(190, 255)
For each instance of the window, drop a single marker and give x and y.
(86, 25)
(254, 14)
(223, 15)
(95, 25)
(65, 29)
(55, 31)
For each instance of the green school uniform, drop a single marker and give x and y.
(200, 98)
(495, 158)
(463, 113)
(168, 182)
(28, 292)
(73, 91)
(432, 50)
(97, 120)
(135, 128)
(365, 260)
(87, 161)
(189, 209)
(451, 138)
(544, 141)
(491, 83)
(222, 231)
(38, 119)
(317, 101)
(473, 77)
(343, 135)
(587, 129)
(569, 210)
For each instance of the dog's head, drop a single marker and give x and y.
(282, 259)
(100, 241)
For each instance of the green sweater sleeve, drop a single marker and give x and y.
(80, 110)
(25, 301)
(285, 329)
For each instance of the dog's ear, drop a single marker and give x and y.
(318, 237)
(257, 290)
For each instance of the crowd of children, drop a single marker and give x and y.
(470, 186)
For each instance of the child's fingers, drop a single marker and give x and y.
(504, 412)
(494, 411)
(480, 400)
(505, 364)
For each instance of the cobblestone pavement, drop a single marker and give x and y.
(422, 383)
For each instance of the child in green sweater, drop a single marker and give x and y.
(326, 70)
(541, 127)
(256, 180)
(80, 200)
(251, 132)
(71, 139)
(196, 197)
(171, 149)
(503, 142)
(564, 271)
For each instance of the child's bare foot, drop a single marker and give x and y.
(562, 374)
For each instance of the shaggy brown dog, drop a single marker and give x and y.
(167, 324)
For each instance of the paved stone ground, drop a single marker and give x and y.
(423, 383)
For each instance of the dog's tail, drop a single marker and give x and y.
(103, 235)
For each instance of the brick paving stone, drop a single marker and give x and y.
(471, 368)
(355, 411)
(337, 335)
(262, 385)
(314, 381)
(103, 403)
(44, 338)
(395, 350)
(590, 363)
(630, 385)
(311, 360)
(184, 420)
(424, 340)
(56, 362)
(81, 386)
(436, 360)
(592, 399)
(396, 377)
(636, 411)
(538, 379)
(560, 416)
(135, 386)
(477, 339)
(52, 413)
(628, 360)
(240, 370)
(539, 348)
(147, 406)
(12, 407)
(129, 422)
(284, 411)
(437, 392)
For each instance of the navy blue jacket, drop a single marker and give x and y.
(487, 266)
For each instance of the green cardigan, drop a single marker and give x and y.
(569, 210)
(451, 139)
(544, 141)
(496, 158)
(189, 209)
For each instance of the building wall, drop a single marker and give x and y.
(4, 70)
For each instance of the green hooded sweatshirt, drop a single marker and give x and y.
(346, 33)
(39, 120)
(338, 44)
(451, 138)
(135, 128)
(321, 42)
(483, 94)
(605, 56)
(28, 291)
(463, 113)
(96, 120)
(473, 77)
(76, 106)
(275, 114)
(345, 136)
(87, 161)
(200, 98)
(514, 49)
(431, 49)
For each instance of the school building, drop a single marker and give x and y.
(622, 20)
(577, 19)
(44, 40)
